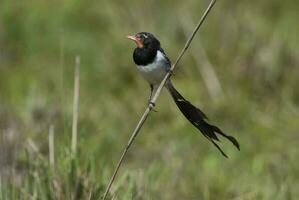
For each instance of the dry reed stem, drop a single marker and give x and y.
(155, 97)
(51, 147)
(75, 106)
(203, 64)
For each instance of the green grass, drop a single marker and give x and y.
(252, 47)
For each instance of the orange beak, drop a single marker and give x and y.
(136, 40)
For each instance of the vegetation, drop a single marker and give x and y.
(249, 47)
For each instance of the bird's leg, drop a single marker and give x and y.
(152, 104)
(151, 94)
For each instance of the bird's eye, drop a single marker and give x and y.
(142, 36)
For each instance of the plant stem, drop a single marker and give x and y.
(155, 97)
(75, 107)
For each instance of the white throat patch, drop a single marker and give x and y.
(155, 71)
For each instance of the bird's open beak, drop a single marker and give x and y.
(136, 40)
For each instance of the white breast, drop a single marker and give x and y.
(154, 72)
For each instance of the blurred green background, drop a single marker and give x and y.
(242, 69)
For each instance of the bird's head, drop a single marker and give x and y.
(144, 40)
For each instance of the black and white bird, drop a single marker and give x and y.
(153, 64)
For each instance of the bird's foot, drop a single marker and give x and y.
(152, 106)
(170, 71)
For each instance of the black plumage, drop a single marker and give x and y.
(147, 54)
(198, 119)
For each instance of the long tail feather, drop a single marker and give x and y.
(198, 119)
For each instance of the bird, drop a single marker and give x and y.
(153, 64)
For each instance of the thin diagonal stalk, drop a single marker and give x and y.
(155, 97)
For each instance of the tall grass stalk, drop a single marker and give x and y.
(51, 148)
(156, 95)
(75, 106)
